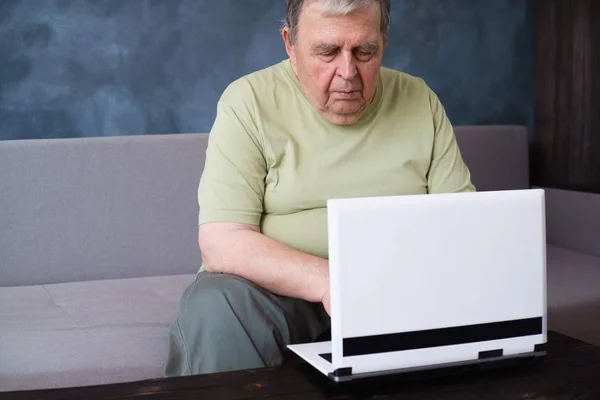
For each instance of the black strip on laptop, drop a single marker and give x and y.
(440, 337)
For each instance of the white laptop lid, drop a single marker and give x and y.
(451, 275)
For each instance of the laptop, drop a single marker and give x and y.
(423, 282)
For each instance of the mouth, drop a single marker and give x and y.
(348, 94)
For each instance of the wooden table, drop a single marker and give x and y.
(570, 371)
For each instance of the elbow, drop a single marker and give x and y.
(209, 268)
(208, 263)
(218, 243)
(209, 251)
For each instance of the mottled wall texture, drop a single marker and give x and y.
(74, 68)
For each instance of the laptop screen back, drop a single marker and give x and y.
(424, 271)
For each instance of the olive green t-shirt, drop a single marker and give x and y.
(273, 161)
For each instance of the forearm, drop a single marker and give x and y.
(268, 263)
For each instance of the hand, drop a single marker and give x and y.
(325, 300)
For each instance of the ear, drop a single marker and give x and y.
(290, 49)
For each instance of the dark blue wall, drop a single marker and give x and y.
(72, 68)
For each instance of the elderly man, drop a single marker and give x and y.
(329, 121)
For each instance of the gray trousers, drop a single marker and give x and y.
(228, 323)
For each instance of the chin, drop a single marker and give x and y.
(347, 107)
(343, 112)
(343, 119)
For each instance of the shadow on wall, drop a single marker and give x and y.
(73, 68)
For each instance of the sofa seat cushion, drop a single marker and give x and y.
(96, 332)
(76, 334)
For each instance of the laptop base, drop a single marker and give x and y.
(440, 370)
(319, 360)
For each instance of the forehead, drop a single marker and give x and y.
(362, 25)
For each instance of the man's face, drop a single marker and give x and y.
(337, 60)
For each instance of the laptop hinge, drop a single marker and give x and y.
(491, 354)
(342, 372)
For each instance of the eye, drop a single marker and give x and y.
(328, 55)
(364, 55)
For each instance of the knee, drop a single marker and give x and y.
(212, 302)
(211, 332)
(211, 294)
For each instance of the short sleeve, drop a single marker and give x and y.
(231, 187)
(448, 172)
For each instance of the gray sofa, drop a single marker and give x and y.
(98, 241)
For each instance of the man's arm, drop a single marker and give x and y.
(241, 249)
(447, 172)
(231, 197)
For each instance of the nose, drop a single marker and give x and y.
(346, 67)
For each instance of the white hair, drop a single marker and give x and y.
(343, 7)
(334, 7)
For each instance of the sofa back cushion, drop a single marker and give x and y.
(497, 156)
(99, 208)
(118, 207)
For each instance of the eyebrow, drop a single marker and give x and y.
(369, 47)
(326, 48)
